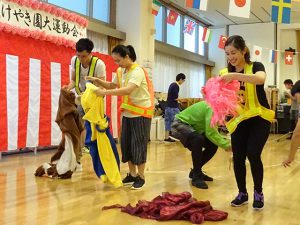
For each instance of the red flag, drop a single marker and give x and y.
(222, 41)
(288, 58)
(172, 17)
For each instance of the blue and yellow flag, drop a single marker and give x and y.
(281, 11)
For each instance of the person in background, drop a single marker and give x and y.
(288, 83)
(132, 82)
(295, 142)
(172, 104)
(249, 129)
(84, 64)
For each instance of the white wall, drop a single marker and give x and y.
(134, 17)
(216, 54)
(249, 32)
(260, 34)
(287, 38)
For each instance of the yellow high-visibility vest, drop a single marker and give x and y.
(127, 103)
(78, 70)
(252, 106)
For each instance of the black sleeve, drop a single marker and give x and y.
(257, 66)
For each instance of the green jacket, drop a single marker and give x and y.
(199, 116)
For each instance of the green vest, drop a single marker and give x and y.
(78, 70)
(252, 106)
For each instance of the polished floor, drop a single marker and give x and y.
(25, 199)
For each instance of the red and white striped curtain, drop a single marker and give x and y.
(32, 73)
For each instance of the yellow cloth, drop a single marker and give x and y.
(94, 113)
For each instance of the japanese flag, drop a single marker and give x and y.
(256, 54)
(288, 58)
(240, 8)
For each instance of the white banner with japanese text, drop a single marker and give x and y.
(42, 21)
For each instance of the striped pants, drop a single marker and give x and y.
(134, 139)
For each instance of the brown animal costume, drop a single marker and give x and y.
(63, 162)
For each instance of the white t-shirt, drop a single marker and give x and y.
(100, 71)
(140, 96)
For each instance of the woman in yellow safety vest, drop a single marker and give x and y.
(251, 127)
(133, 84)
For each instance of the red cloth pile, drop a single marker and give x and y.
(174, 207)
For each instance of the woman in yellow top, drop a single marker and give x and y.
(133, 84)
(250, 129)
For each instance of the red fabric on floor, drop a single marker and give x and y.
(174, 207)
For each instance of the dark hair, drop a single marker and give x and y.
(123, 50)
(84, 44)
(180, 76)
(288, 81)
(239, 43)
(296, 88)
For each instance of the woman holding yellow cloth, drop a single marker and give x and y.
(132, 82)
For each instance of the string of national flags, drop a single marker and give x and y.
(281, 10)
(273, 55)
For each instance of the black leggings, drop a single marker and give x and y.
(248, 141)
(195, 142)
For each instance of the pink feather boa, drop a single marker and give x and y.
(222, 97)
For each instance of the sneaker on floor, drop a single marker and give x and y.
(169, 140)
(138, 184)
(78, 167)
(129, 180)
(258, 201)
(205, 177)
(240, 199)
(199, 183)
(85, 149)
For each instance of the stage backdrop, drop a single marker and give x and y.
(32, 73)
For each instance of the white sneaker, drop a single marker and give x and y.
(78, 167)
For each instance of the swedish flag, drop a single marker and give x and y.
(281, 11)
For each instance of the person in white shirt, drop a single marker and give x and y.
(84, 64)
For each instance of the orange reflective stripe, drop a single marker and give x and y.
(126, 102)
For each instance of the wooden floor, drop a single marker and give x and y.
(25, 199)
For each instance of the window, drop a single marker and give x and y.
(173, 32)
(189, 39)
(79, 6)
(101, 9)
(159, 25)
(200, 42)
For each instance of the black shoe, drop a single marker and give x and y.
(199, 183)
(240, 199)
(129, 180)
(205, 177)
(258, 201)
(169, 140)
(138, 184)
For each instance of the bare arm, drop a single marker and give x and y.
(257, 78)
(287, 94)
(295, 143)
(119, 91)
(102, 83)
